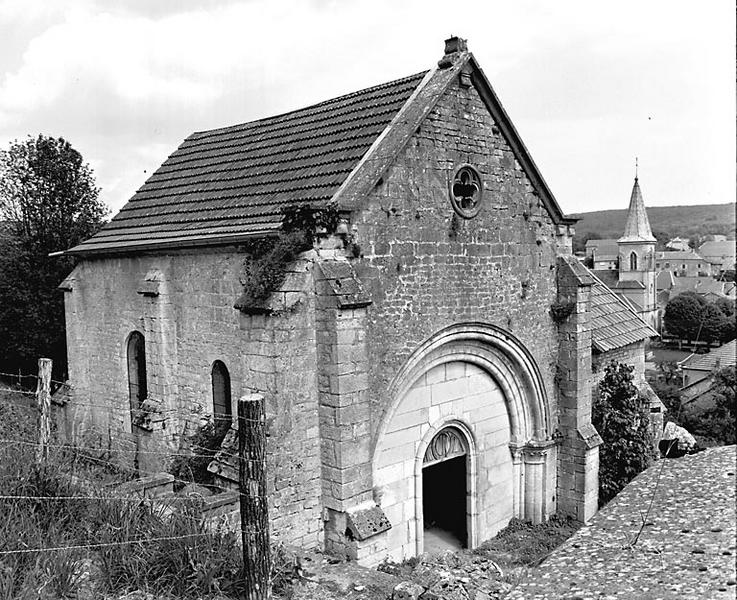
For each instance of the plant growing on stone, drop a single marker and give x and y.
(266, 268)
(621, 416)
(560, 311)
(203, 444)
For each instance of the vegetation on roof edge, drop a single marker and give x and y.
(269, 257)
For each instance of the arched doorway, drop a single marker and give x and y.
(445, 502)
(480, 380)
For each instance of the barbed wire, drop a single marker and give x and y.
(121, 450)
(103, 544)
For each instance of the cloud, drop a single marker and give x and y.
(127, 80)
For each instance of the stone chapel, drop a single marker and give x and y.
(428, 363)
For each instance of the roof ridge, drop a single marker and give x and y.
(379, 86)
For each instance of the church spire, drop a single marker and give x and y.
(637, 228)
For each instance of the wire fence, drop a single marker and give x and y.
(116, 456)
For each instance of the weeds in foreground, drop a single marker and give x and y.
(528, 544)
(99, 544)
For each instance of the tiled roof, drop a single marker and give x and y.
(225, 185)
(629, 284)
(664, 280)
(677, 255)
(702, 285)
(613, 323)
(238, 180)
(716, 250)
(606, 249)
(725, 355)
(609, 277)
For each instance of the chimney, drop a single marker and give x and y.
(453, 47)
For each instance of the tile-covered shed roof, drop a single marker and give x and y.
(225, 185)
(238, 180)
(724, 356)
(613, 323)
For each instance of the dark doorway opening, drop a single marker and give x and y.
(444, 504)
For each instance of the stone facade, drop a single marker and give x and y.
(408, 323)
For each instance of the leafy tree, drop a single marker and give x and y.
(726, 305)
(48, 202)
(715, 425)
(715, 324)
(683, 316)
(622, 418)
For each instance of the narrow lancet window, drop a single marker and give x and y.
(222, 410)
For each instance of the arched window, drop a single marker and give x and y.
(222, 410)
(633, 262)
(137, 386)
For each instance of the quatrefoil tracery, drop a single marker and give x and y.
(466, 192)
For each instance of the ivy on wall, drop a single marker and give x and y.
(269, 256)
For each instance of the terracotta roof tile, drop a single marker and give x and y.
(724, 356)
(238, 180)
(613, 323)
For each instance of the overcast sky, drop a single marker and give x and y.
(588, 84)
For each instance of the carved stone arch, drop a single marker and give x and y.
(497, 352)
(501, 399)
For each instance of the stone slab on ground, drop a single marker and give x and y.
(685, 550)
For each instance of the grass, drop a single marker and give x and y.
(190, 560)
(522, 543)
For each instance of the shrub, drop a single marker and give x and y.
(715, 425)
(621, 416)
(204, 444)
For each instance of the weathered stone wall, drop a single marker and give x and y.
(632, 354)
(187, 326)
(427, 268)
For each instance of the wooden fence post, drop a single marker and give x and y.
(43, 403)
(253, 501)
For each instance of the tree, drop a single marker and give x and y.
(683, 316)
(715, 424)
(715, 324)
(622, 418)
(48, 202)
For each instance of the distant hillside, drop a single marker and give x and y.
(666, 222)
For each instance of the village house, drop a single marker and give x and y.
(603, 254)
(678, 244)
(720, 253)
(427, 364)
(683, 263)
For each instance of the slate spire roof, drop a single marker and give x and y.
(227, 185)
(637, 228)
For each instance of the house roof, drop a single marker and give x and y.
(610, 277)
(605, 249)
(678, 255)
(664, 280)
(637, 227)
(717, 250)
(702, 285)
(630, 284)
(724, 356)
(613, 323)
(225, 185)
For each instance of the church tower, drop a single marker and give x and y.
(637, 260)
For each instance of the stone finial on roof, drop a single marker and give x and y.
(454, 46)
(637, 228)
